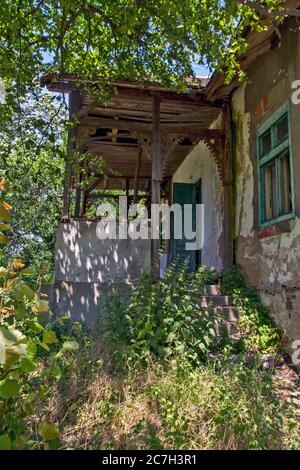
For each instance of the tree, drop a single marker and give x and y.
(32, 160)
(133, 39)
(97, 41)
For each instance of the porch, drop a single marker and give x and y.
(131, 145)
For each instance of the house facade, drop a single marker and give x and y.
(233, 147)
(266, 175)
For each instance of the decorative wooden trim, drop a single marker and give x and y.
(215, 141)
(169, 143)
(144, 141)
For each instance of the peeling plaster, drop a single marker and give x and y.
(271, 261)
(244, 176)
(201, 164)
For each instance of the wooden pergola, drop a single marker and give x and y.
(143, 133)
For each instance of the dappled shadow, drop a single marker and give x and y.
(82, 257)
(87, 267)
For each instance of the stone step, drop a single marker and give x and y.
(263, 362)
(228, 313)
(229, 328)
(216, 301)
(213, 289)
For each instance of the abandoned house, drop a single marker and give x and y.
(233, 147)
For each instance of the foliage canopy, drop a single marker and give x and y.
(132, 39)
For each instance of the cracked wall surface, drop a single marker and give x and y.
(270, 256)
(200, 164)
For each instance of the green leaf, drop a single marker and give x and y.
(3, 272)
(4, 227)
(49, 432)
(4, 214)
(42, 306)
(43, 345)
(5, 442)
(56, 372)
(21, 310)
(22, 291)
(50, 337)
(28, 365)
(3, 239)
(9, 388)
(27, 272)
(53, 444)
(207, 340)
(36, 327)
(70, 346)
(14, 344)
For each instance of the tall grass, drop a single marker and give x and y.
(143, 380)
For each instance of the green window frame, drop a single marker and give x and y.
(275, 169)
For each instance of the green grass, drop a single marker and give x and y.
(143, 379)
(174, 406)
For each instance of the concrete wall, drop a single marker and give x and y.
(87, 269)
(83, 301)
(270, 256)
(82, 257)
(200, 164)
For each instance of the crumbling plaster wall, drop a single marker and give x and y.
(269, 256)
(200, 164)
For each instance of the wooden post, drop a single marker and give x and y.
(228, 193)
(84, 204)
(74, 106)
(136, 176)
(127, 194)
(78, 197)
(156, 179)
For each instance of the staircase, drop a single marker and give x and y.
(222, 307)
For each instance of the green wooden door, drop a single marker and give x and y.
(186, 193)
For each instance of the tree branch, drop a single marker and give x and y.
(272, 14)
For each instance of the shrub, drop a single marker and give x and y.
(164, 319)
(256, 326)
(30, 350)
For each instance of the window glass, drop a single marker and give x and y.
(271, 206)
(275, 170)
(282, 130)
(286, 185)
(266, 143)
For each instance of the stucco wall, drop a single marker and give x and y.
(87, 269)
(82, 257)
(200, 164)
(269, 256)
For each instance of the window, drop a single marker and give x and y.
(274, 162)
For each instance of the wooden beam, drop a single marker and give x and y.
(95, 183)
(78, 198)
(83, 112)
(228, 190)
(167, 96)
(74, 107)
(137, 176)
(172, 127)
(156, 178)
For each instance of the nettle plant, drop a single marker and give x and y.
(258, 331)
(30, 349)
(165, 319)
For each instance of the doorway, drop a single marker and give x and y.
(187, 193)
